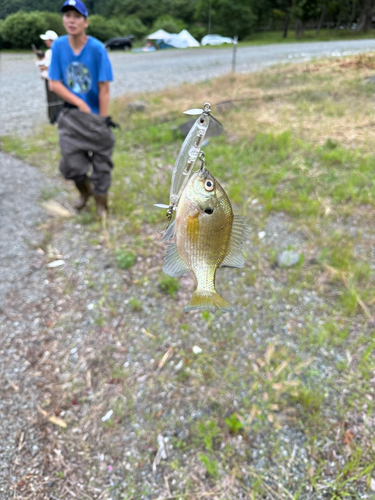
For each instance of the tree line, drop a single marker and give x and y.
(20, 20)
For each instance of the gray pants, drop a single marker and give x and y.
(86, 138)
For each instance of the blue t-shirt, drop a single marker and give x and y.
(81, 73)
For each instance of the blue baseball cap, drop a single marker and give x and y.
(77, 5)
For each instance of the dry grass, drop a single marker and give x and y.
(285, 97)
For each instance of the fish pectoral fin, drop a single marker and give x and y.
(170, 232)
(240, 231)
(174, 266)
(208, 300)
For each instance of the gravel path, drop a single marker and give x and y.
(22, 105)
(20, 285)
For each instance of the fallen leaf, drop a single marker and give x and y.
(348, 437)
(148, 334)
(54, 208)
(52, 418)
(57, 420)
(165, 358)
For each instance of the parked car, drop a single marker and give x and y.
(215, 40)
(119, 42)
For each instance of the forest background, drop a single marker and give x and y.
(22, 21)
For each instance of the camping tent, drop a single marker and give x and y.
(158, 35)
(181, 40)
(191, 41)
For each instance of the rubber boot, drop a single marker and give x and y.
(101, 204)
(85, 192)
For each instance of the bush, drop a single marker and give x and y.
(22, 29)
(54, 22)
(198, 31)
(1, 37)
(132, 25)
(169, 24)
(103, 29)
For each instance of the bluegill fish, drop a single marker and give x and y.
(208, 236)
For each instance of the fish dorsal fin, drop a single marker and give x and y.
(170, 232)
(174, 266)
(234, 257)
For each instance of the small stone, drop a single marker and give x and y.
(372, 484)
(261, 234)
(197, 349)
(56, 263)
(288, 258)
(137, 106)
(107, 416)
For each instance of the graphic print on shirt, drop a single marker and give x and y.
(78, 78)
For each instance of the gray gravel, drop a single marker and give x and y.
(19, 281)
(22, 100)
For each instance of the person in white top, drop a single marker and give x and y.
(54, 102)
(49, 37)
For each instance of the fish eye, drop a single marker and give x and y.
(209, 211)
(201, 120)
(208, 185)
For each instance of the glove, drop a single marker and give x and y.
(110, 123)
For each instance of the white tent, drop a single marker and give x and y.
(176, 41)
(191, 41)
(158, 35)
(181, 40)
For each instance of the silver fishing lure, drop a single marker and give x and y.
(188, 155)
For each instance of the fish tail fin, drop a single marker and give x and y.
(203, 299)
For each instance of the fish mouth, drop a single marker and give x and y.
(204, 173)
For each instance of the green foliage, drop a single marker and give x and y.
(169, 285)
(210, 464)
(228, 17)
(308, 401)
(125, 259)
(169, 24)
(8, 7)
(54, 22)
(135, 304)
(234, 424)
(198, 31)
(207, 432)
(306, 9)
(133, 25)
(23, 29)
(150, 10)
(1, 37)
(101, 28)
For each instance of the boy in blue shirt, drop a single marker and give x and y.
(79, 73)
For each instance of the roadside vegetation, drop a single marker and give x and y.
(275, 401)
